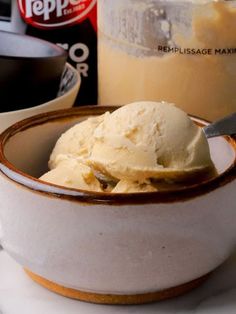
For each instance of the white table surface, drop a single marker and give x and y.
(20, 295)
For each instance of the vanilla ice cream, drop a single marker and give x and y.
(127, 186)
(146, 140)
(76, 142)
(73, 174)
(130, 150)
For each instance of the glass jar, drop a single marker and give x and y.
(177, 51)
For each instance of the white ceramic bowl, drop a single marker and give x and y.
(120, 248)
(70, 85)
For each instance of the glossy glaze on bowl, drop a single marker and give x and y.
(103, 244)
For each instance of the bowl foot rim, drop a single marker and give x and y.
(117, 298)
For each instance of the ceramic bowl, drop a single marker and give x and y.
(111, 248)
(70, 84)
(31, 70)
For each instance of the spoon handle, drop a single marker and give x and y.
(225, 126)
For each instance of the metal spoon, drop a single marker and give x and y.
(225, 126)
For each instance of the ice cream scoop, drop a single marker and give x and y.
(73, 174)
(144, 140)
(130, 150)
(127, 186)
(75, 143)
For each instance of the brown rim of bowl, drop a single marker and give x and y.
(36, 185)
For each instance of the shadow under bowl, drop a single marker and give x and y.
(111, 248)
